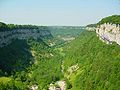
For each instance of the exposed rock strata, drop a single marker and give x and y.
(6, 37)
(109, 33)
(59, 85)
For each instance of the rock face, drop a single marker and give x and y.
(34, 87)
(90, 28)
(109, 33)
(59, 85)
(73, 69)
(6, 37)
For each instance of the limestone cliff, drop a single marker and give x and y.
(109, 33)
(6, 37)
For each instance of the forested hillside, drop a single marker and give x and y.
(114, 19)
(98, 63)
(72, 60)
(28, 62)
(61, 31)
(15, 56)
(8, 27)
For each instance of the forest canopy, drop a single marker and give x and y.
(114, 19)
(7, 27)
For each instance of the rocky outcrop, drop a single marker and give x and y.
(109, 33)
(59, 85)
(90, 28)
(6, 37)
(34, 87)
(73, 68)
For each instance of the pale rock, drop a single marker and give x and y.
(6, 37)
(109, 33)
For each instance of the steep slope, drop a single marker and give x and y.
(47, 67)
(114, 19)
(108, 29)
(15, 56)
(97, 63)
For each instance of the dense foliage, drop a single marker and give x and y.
(60, 31)
(15, 57)
(14, 61)
(92, 25)
(3, 26)
(8, 27)
(99, 63)
(114, 19)
(47, 67)
(25, 63)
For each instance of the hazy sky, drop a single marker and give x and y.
(57, 12)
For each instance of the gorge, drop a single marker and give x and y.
(61, 57)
